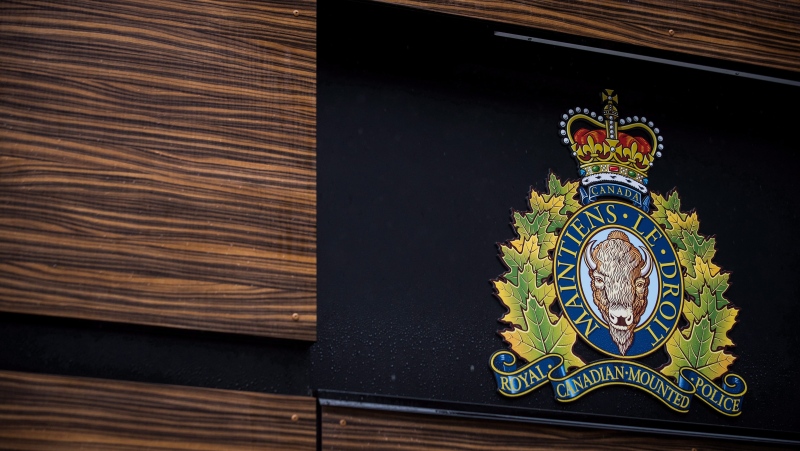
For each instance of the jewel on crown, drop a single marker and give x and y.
(609, 148)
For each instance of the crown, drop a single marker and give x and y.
(611, 150)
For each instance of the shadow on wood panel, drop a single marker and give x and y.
(49, 412)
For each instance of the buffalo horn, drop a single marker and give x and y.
(586, 256)
(647, 266)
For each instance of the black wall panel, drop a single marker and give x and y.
(431, 129)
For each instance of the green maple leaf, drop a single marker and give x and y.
(548, 213)
(708, 275)
(531, 224)
(721, 319)
(695, 351)
(548, 243)
(545, 202)
(525, 290)
(514, 255)
(535, 225)
(540, 335)
(679, 224)
(525, 280)
(519, 253)
(568, 202)
(693, 245)
(567, 191)
(699, 245)
(662, 205)
(711, 316)
(515, 301)
(706, 289)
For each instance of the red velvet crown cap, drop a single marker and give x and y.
(598, 136)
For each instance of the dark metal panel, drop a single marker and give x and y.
(430, 134)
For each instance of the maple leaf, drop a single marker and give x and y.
(721, 319)
(567, 191)
(511, 254)
(548, 243)
(524, 280)
(695, 351)
(709, 275)
(531, 223)
(535, 224)
(524, 251)
(662, 205)
(693, 245)
(525, 290)
(540, 335)
(679, 223)
(711, 316)
(546, 203)
(699, 245)
(515, 301)
(549, 212)
(707, 289)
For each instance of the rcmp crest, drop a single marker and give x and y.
(605, 261)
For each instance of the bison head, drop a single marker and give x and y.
(620, 279)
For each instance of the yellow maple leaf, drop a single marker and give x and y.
(525, 290)
(694, 351)
(721, 320)
(541, 335)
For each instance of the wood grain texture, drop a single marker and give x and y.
(53, 412)
(157, 162)
(345, 428)
(761, 32)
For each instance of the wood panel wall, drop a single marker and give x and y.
(761, 32)
(157, 162)
(64, 413)
(345, 428)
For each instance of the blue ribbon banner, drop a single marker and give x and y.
(726, 399)
(593, 192)
(513, 381)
